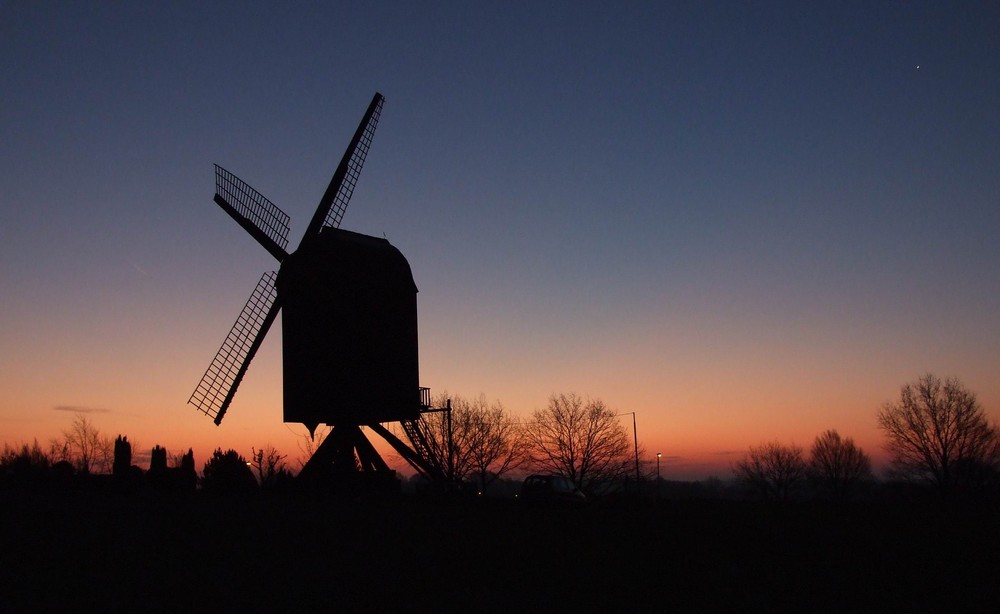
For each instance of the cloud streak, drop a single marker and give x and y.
(79, 409)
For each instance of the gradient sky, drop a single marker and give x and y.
(742, 221)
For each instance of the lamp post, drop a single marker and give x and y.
(658, 455)
(635, 439)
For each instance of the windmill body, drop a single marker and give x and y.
(349, 332)
(349, 327)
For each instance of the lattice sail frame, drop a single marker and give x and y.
(223, 373)
(346, 189)
(253, 206)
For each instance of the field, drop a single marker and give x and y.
(154, 553)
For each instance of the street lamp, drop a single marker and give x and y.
(635, 437)
(658, 455)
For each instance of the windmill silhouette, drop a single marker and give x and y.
(349, 328)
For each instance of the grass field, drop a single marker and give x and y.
(197, 553)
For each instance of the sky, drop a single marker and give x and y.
(742, 222)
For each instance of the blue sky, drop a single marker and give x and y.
(740, 220)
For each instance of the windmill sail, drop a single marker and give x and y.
(218, 386)
(332, 206)
(253, 211)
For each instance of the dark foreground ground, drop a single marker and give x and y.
(195, 553)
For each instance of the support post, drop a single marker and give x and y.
(635, 437)
(451, 447)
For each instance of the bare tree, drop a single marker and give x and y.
(771, 469)
(268, 463)
(476, 438)
(449, 434)
(838, 465)
(309, 443)
(938, 433)
(84, 446)
(581, 440)
(496, 443)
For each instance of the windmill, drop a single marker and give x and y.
(349, 327)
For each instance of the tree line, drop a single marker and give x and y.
(937, 436)
(476, 441)
(82, 448)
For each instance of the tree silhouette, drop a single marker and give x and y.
(496, 443)
(771, 470)
(185, 477)
(938, 433)
(310, 442)
(84, 446)
(448, 434)
(123, 456)
(24, 465)
(227, 473)
(269, 465)
(581, 440)
(486, 441)
(837, 465)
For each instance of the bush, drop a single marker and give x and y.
(227, 473)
